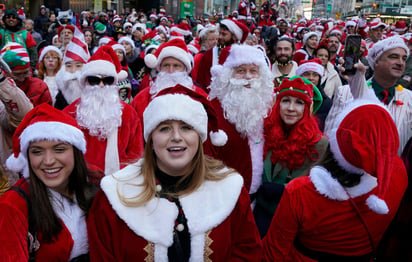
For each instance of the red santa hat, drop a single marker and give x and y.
(314, 65)
(380, 47)
(237, 28)
(164, 29)
(163, 18)
(153, 15)
(182, 28)
(116, 18)
(21, 13)
(126, 39)
(126, 25)
(335, 30)
(70, 27)
(116, 46)
(104, 62)
(47, 49)
(375, 23)
(175, 48)
(176, 35)
(400, 26)
(194, 47)
(43, 122)
(350, 23)
(191, 107)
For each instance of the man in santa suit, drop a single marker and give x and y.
(242, 95)
(111, 127)
(230, 32)
(245, 9)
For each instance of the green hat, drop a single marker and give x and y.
(99, 28)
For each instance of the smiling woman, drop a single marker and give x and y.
(175, 204)
(47, 207)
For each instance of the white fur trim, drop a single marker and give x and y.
(127, 39)
(375, 52)
(180, 31)
(98, 67)
(329, 186)
(377, 205)
(112, 162)
(175, 107)
(309, 35)
(350, 23)
(256, 153)
(178, 53)
(218, 138)
(233, 28)
(122, 75)
(48, 49)
(245, 55)
(127, 24)
(314, 67)
(18, 165)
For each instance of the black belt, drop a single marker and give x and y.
(326, 257)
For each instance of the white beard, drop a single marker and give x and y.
(246, 108)
(69, 84)
(165, 80)
(100, 110)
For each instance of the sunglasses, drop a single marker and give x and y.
(11, 17)
(94, 80)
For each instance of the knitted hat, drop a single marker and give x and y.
(103, 62)
(70, 27)
(350, 23)
(175, 48)
(99, 28)
(43, 122)
(127, 39)
(237, 28)
(49, 48)
(126, 25)
(181, 103)
(182, 28)
(76, 50)
(309, 35)
(375, 52)
(302, 88)
(15, 56)
(314, 65)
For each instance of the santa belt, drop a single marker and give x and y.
(324, 256)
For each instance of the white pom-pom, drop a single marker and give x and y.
(18, 165)
(218, 138)
(180, 227)
(377, 205)
(122, 75)
(150, 60)
(158, 188)
(216, 70)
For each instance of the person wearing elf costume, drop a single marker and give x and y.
(293, 142)
(342, 209)
(46, 209)
(176, 203)
(111, 127)
(50, 62)
(242, 95)
(18, 60)
(387, 59)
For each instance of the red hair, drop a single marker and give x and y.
(291, 147)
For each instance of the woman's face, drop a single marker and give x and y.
(127, 46)
(323, 55)
(120, 54)
(175, 144)
(312, 42)
(52, 162)
(88, 37)
(51, 60)
(312, 77)
(73, 66)
(291, 110)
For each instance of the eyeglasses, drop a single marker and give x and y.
(94, 80)
(11, 17)
(51, 57)
(128, 26)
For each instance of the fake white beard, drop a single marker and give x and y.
(244, 107)
(165, 80)
(69, 84)
(100, 110)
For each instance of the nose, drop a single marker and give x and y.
(48, 158)
(176, 136)
(291, 106)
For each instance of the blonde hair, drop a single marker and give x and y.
(202, 168)
(42, 67)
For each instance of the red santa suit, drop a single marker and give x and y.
(209, 59)
(219, 219)
(245, 9)
(129, 139)
(36, 90)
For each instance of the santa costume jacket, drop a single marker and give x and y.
(36, 90)
(218, 214)
(129, 139)
(316, 212)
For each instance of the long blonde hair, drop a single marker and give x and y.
(203, 168)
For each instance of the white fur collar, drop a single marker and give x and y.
(328, 186)
(204, 209)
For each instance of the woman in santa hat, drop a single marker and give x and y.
(293, 142)
(341, 210)
(174, 204)
(43, 216)
(50, 62)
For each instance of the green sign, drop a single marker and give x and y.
(329, 8)
(186, 8)
(306, 2)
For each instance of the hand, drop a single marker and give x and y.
(361, 69)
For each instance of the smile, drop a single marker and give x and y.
(51, 171)
(176, 149)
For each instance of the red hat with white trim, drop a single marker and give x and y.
(314, 65)
(237, 28)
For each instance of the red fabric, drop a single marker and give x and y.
(36, 90)
(196, 63)
(298, 45)
(14, 227)
(299, 56)
(130, 139)
(235, 239)
(203, 80)
(328, 225)
(30, 42)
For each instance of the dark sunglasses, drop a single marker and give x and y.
(94, 80)
(11, 17)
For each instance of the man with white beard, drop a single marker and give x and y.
(111, 127)
(174, 62)
(242, 95)
(68, 77)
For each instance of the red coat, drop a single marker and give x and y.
(219, 216)
(130, 139)
(316, 210)
(36, 90)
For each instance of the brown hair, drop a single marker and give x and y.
(42, 67)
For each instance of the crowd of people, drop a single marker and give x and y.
(135, 137)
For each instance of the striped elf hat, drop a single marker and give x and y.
(15, 56)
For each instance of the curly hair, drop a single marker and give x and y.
(291, 147)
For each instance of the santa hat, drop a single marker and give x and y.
(76, 50)
(163, 18)
(400, 26)
(126, 25)
(377, 23)
(47, 49)
(181, 103)
(350, 23)
(116, 18)
(153, 44)
(176, 35)
(237, 28)
(335, 30)
(164, 29)
(235, 12)
(326, 29)
(105, 40)
(309, 35)
(70, 27)
(21, 13)
(126, 39)
(193, 47)
(15, 56)
(141, 26)
(99, 28)
(299, 28)
(43, 122)
(302, 88)
(117, 46)
(314, 65)
(238, 55)
(375, 52)
(153, 15)
(175, 48)
(103, 62)
(182, 28)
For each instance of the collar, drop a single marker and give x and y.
(378, 90)
(329, 186)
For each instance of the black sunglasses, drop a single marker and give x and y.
(94, 80)
(11, 17)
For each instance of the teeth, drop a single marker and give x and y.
(52, 170)
(175, 148)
